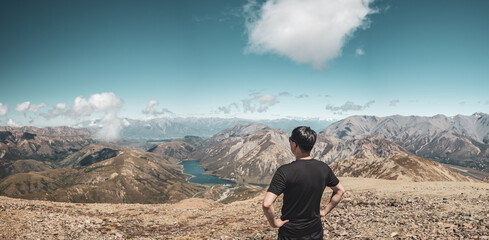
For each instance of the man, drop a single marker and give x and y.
(302, 182)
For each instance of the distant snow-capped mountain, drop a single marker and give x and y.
(163, 128)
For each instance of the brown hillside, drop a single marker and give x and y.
(401, 167)
(130, 177)
(178, 150)
(41, 144)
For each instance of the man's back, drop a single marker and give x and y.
(302, 182)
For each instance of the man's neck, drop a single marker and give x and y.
(303, 157)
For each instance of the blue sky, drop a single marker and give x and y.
(79, 60)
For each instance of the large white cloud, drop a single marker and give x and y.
(99, 102)
(3, 109)
(107, 103)
(307, 31)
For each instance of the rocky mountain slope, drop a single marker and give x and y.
(24, 149)
(401, 167)
(251, 158)
(179, 149)
(43, 144)
(459, 140)
(330, 149)
(109, 175)
(370, 209)
(240, 130)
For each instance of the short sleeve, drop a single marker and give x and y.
(277, 185)
(331, 179)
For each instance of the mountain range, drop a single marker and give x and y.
(66, 164)
(253, 152)
(459, 140)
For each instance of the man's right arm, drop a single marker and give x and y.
(338, 192)
(270, 212)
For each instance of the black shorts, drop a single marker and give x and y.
(312, 236)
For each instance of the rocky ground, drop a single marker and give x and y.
(371, 209)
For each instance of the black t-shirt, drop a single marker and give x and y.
(302, 182)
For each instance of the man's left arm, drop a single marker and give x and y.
(269, 211)
(338, 192)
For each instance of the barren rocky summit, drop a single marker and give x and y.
(371, 209)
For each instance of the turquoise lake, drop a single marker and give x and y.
(191, 167)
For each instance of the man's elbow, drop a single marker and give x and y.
(340, 191)
(266, 205)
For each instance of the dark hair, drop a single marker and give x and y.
(304, 137)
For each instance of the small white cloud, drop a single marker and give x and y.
(229, 108)
(349, 106)
(21, 107)
(368, 104)
(3, 109)
(307, 31)
(59, 109)
(35, 107)
(259, 103)
(12, 123)
(61, 106)
(125, 122)
(393, 103)
(26, 106)
(150, 110)
(359, 52)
